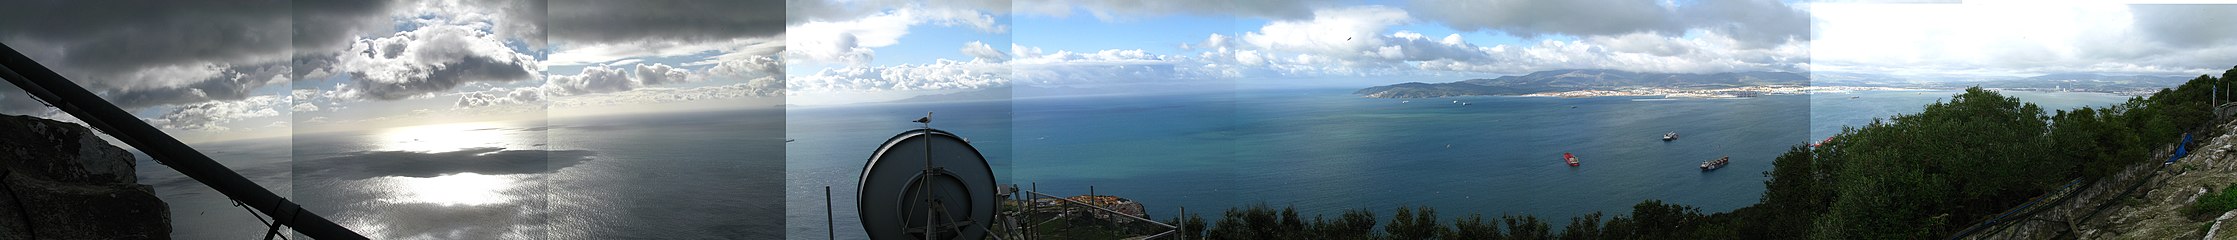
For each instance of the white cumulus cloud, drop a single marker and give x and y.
(431, 59)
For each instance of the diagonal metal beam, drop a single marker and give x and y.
(48, 86)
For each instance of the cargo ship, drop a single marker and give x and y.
(1715, 164)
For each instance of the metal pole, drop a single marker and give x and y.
(48, 86)
(1092, 201)
(1183, 223)
(1032, 198)
(931, 229)
(830, 225)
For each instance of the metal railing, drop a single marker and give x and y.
(1026, 227)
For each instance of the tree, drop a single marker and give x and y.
(1585, 227)
(1419, 223)
(1473, 227)
(1353, 224)
(1794, 193)
(2093, 144)
(1259, 222)
(1191, 225)
(1526, 227)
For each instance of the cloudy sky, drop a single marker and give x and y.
(2024, 38)
(875, 50)
(890, 49)
(424, 62)
(218, 70)
(213, 70)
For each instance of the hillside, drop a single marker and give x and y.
(2158, 210)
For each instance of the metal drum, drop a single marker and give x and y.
(900, 194)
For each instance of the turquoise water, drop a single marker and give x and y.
(1325, 150)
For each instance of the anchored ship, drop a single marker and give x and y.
(1715, 164)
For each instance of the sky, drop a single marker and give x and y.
(220, 70)
(857, 47)
(225, 70)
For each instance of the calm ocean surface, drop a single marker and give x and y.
(716, 174)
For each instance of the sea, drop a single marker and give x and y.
(763, 174)
(1324, 151)
(699, 175)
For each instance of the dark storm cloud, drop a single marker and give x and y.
(2187, 26)
(323, 29)
(149, 53)
(801, 11)
(329, 25)
(436, 77)
(593, 21)
(230, 84)
(1759, 22)
(110, 36)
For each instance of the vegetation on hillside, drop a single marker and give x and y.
(2216, 202)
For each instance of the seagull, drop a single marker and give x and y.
(1347, 38)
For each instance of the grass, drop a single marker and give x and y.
(2216, 201)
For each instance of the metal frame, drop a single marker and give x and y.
(45, 85)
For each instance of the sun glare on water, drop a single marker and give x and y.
(468, 189)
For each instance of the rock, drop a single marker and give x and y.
(61, 181)
(2219, 223)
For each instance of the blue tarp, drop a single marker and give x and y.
(2180, 150)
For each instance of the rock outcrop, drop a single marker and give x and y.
(59, 180)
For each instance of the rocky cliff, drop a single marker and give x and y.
(60, 181)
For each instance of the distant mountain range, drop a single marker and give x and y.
(1591, 79)
(2086, 82)
(1582, 79)
(2074, 82)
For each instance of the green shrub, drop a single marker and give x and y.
(2216, 201)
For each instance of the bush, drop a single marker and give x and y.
(2216, 201)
